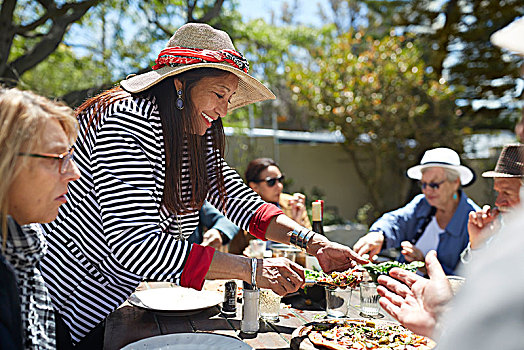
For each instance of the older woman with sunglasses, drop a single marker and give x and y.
(437, 219)
(35, 167)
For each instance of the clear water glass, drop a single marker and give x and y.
(369, 299)
(337, 302)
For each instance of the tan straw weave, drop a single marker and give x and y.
(203, 36)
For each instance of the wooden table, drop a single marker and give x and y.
(128, 324)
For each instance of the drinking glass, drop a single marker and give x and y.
(369, 299)
(269, 305)
(337, 302)
(257, 248)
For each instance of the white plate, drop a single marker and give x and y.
(189, 341)
(176, 299)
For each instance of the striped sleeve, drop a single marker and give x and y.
(123, 163)
(241, 201)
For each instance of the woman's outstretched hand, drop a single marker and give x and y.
(280, 275)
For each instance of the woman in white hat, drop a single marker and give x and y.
(150, 152)
(437, 219)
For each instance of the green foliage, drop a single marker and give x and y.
(378, 95)
(62, 72)
(455, 36)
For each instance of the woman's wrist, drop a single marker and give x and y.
(315, 243)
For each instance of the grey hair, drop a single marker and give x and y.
(451, 174)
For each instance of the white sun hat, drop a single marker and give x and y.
(442, 157)
(511, 37)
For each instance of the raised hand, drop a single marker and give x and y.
(370, 244)
(480, 225)
(411, 252)
(416, 302)
(212, 238)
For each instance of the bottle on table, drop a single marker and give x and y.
(317, 222)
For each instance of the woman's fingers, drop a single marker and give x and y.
(281, 275)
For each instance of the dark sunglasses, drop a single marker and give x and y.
(271, 181)
(433, 185)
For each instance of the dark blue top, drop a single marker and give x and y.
(402, 225)
(10, 311)
(210, 217)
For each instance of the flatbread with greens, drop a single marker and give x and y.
(383, 268)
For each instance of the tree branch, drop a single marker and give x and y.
(190, 8)
(7, 32)
(52, 39)
(213, 12)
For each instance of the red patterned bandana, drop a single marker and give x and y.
(183, 55)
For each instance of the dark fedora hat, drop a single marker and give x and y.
(510, 162)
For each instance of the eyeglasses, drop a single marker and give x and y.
(433, 185)
(65, 158)
(271, 181)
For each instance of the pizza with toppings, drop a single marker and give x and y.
(362, 335)
(345, 279)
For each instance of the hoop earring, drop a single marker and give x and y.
(179, 103)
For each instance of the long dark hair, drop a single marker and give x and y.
(178, 130)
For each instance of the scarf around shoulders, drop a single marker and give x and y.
(25, 247)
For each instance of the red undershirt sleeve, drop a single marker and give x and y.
(260, 221)
(196, 266)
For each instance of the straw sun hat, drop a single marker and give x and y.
(199, 45)
(443, 158)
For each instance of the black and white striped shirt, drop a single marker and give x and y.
(113, 231)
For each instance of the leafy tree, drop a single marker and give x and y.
(378, 94)
(41, 25)
(456, 46)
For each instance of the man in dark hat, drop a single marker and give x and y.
(508, 179)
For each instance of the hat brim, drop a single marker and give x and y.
(249, 90)
(510, 37)
(493, 173)
(467, 176)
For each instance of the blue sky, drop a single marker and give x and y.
(307, 12)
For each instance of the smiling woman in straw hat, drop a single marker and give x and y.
(437, 219)
(150, 152)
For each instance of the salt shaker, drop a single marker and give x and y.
(249, 324)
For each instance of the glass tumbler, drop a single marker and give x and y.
(369, 299)
(337, 302)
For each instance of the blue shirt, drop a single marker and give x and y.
(402, 225)
(210, 217)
